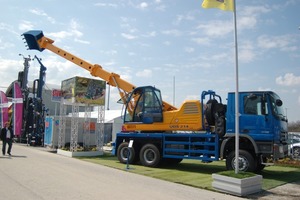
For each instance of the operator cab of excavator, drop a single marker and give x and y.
(144, 105)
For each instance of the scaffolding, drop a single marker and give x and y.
(99, 127)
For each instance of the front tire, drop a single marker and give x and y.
(123, 152)
(246, 161)
(150, 155)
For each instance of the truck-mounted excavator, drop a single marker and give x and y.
(145, 109)
(154, 131)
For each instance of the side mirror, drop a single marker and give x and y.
(278, 102)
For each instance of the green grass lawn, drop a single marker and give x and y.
(197, 174)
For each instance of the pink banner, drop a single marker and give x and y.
(17, 109)
(3, 109)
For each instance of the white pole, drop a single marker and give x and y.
(173, 90)
(236, 93)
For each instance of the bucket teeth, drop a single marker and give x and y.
(31, 38)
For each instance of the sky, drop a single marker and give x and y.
(174, 45)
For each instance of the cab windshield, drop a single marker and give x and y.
(277, 110)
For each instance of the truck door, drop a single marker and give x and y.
(254, 118)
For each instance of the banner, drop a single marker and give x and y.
(17, 109)
(3, 109)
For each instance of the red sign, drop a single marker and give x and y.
(56, 95)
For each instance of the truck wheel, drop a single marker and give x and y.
(246, 161)
(123, 152)
(150, 155)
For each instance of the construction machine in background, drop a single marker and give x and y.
(33, 115)
(199, 129)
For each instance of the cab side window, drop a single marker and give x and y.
(253, 106)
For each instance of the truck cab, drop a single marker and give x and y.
(263, 126)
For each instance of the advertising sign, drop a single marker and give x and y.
(84, 90)
(56, 95)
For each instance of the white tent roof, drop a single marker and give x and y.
(109, 115)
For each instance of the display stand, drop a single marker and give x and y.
(99, 130)
(130, 144)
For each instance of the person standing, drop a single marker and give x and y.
(7, 136)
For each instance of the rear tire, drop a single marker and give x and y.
(123, 152)
(150, 155)
(246, 161)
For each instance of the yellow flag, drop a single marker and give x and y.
(221, 4)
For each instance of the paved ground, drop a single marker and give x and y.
(290, 191)
(33, 174)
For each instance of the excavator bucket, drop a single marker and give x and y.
(32, 38)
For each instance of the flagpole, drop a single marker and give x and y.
(236, 93)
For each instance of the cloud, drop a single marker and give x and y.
(161, 8)
(246, 55)
(150, 34)
(81, 41)
(216, 28)
(283, 42)
(113, 5)
(57, 68)
(146, 73)
(202, 41)
(128, 36)
(8, 75)
(167, 43)
(110, 52)
(8, 28)
(6, 45)
(181, 18)
(61, 34)
(109, 63)
(143, 5)
(288, 79)
(246, 52)
(254, 10)
(25, 26)
(131, 53)
(173, 32)
(73, 31)
(43, 14)
(246, 22)
(189, 49)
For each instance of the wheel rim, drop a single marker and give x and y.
(243, 163)
(149, 156)
(124, 153)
